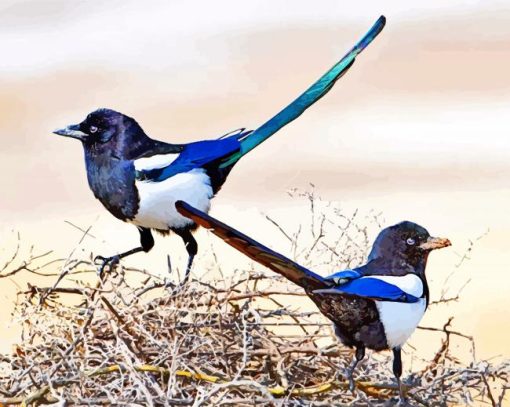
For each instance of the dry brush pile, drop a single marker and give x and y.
(136, 339)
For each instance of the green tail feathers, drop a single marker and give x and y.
(308, 98)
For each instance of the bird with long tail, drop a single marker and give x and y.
(139, 179)
(377, 305)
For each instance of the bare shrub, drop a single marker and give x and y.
(136, 339)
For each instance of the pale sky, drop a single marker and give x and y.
(417, 129)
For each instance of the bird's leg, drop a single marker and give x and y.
(168, 283)
(191, 248)
(358, 357)
(146, 244)
(188, 267)
(397, 371)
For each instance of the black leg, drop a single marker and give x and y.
(146, 239)
(397, 371)
(360, 354)
(191, 248)
(146, 244)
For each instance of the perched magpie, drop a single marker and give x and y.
(139, 179)
(376, 306)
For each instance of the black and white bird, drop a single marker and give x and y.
(376, 306)
(139, 179)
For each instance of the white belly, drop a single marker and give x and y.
(400, 320)
(157, 199)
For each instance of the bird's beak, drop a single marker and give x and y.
(72, 131)
(433, 243)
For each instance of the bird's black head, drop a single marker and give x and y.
(407, 243)
(106, 129)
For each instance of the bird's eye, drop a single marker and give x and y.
(92, 129)
(410, 241)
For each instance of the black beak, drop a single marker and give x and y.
(72, 131)
(434, 243)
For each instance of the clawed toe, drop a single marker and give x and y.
(170, 285)
(402, 402)
(103, 262)
(402, 399)
(100, 260)
(178, 287)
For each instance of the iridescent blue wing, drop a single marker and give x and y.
(370, 288)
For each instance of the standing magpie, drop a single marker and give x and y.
(139, 179)
(377, 305)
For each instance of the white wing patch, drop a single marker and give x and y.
(401, 319)
(157, 199)
(156, 161)
(410, 283)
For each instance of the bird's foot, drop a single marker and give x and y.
(184, 282)
(169, 285)
(350, 380)
(402, 402)
(177, 288)
(352, 385)
(103, 262)
(402, 393)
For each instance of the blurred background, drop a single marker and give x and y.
(417, 129)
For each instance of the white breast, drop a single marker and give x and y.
(401, 319)
(157, 199)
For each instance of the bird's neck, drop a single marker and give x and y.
(419, 263)
(135, 147)
(128, 148)
(396, 265)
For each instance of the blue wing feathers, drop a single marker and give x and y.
(203, 152)
(194, 155)
(232, 146)
(371, 288)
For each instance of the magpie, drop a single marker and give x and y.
(139, 179)
(377, 305)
